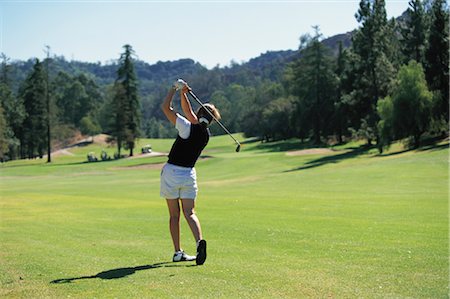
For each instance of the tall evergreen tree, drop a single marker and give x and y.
(414, 32)
(4, 144)
(340, 114)
(126, 102)
(48, 105)
(314, 83)
(374, 71)
(5, 69)
(118, 125)
(14, 112)
(33, 93)
(437, 57)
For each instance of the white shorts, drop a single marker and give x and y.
(178, 182)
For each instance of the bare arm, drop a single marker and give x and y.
(167, 108)
(186, 105)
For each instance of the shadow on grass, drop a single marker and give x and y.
(351, 153)
(427, 147)
(122, 272)
(361, 150)
(52, 164)
(286, 145)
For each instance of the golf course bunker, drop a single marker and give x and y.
(311, 151)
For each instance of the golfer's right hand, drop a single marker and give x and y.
(177, 85)
(185, 88)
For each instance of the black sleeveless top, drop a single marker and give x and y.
(185, 152)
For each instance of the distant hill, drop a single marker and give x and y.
(267, 66)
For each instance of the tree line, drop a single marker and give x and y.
(30, 120)
(391, 83)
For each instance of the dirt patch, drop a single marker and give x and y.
(311, 151)
(101, 139)
(62, 152)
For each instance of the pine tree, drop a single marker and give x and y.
(437, 57)
(4, 144)
(126, 103)
(14, 112)
(340, 107)
(414, 33)
(33, 93)
(372, 43)
(314, 83)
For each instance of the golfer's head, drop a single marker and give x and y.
(205, 117)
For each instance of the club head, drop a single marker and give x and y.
(238, 148)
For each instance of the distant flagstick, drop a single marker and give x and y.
(238, 148)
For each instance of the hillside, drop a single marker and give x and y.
(267, 66)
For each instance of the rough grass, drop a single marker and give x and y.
(348, 224)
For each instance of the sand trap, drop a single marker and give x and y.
(311, 151)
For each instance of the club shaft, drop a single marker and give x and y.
(212, 115)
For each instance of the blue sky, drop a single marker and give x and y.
(210, 32)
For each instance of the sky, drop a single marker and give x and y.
(213, 33)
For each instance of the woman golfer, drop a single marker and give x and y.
(178, 176)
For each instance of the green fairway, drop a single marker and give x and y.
(342, 223)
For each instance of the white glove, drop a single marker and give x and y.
(179, 84)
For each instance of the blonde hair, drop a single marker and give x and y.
(211, 109)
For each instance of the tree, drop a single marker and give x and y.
(48, 105)
(88, 126)
(126, 103)
(374, 71)
(414, 32)
(314, 84)
(437, 57)
(14, 112)
(118, 126)
(94, 98)
(254, 105)
(4, 144)
(72, 103)
(76, 98)
(242, 99)
(340, 111)
(33, 93)
(6, 68)
(407, 112)
(277, 119)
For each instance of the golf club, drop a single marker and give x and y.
(238, 148)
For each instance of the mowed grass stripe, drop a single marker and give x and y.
(363, 225)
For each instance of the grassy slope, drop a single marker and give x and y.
(348, 224)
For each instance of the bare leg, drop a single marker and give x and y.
(174, 223)
(191, 218)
